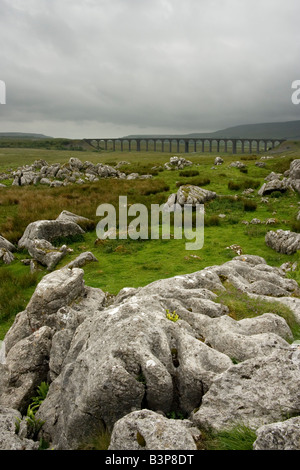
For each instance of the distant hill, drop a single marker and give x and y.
(22, 135)
(269, 130)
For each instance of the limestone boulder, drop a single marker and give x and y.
(193, 195)
(48, 230)
(147, 430)
(273, 185)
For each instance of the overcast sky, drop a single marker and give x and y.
(108, 68)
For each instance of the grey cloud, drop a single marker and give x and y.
(176, 66)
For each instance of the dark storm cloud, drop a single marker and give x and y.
(108, 67)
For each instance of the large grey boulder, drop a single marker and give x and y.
(283, 241)
(56, 290)
(48, 230)
(272, 186)
(279, 436)
(147, 430)
(255, 392)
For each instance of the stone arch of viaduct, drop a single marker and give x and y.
(186, 145)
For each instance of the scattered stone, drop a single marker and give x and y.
(237, 164)
(248, 191)
(260, 164)
(255, 221)
(82, 260)
(271, 221)
(218, 161)
(193, 195)
(236, 248)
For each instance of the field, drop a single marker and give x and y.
(134, 263)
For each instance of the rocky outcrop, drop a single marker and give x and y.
(272, 186)
(57, 174)
(177, 163)
(127, 363)
(38, 236)
(283, 241)
(188, 195)
(48, 230)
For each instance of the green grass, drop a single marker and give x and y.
(16, 288)
(239, 437)
(130, 263)
(241, 306)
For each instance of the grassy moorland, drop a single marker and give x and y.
(130, 263)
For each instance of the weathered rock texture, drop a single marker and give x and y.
(188, 195)
(57, 174)
(147, 430)
(279, 436)
(283, 241)
(38, 236)
(124, 365)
